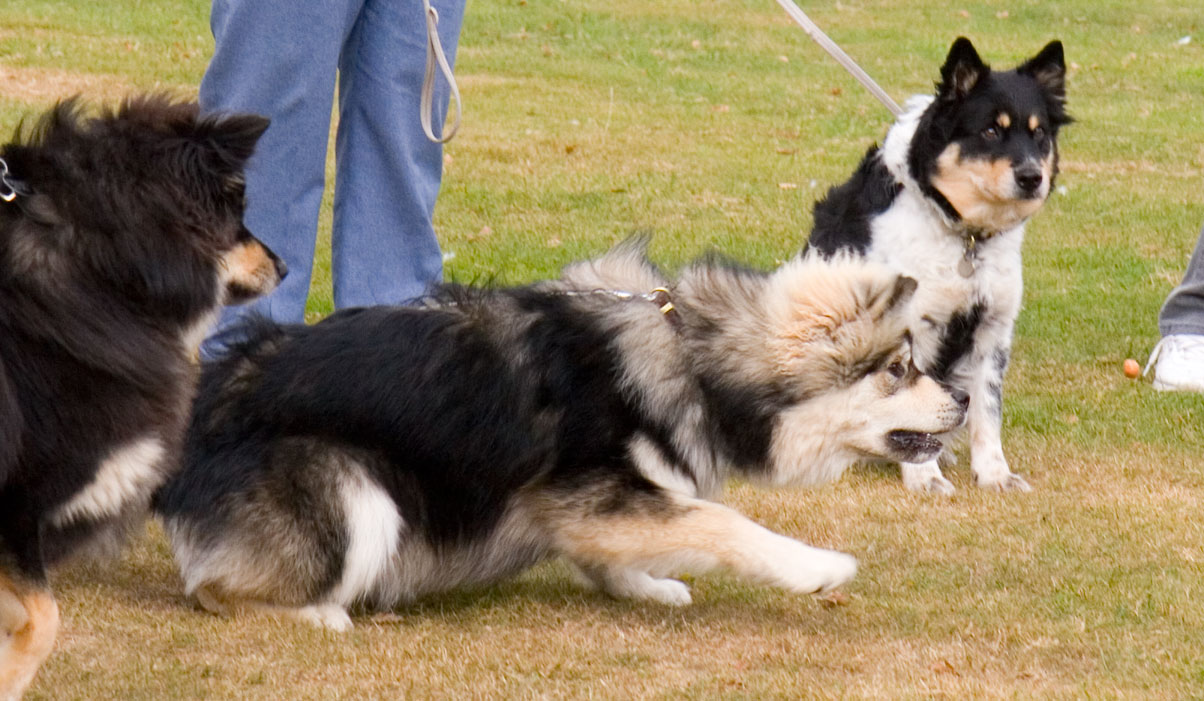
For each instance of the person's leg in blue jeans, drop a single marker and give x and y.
(384, 249)
(279, 58)
(1178, 359)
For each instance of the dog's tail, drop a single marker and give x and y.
(624, 267)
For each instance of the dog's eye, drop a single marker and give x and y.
(897, 370)
(991, 133)
(1038, 133)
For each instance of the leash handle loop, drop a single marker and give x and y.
(435, 56)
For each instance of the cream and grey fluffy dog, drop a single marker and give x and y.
(389, 452)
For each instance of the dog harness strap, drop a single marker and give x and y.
(660, 297)
(10, 187)
(435, 55)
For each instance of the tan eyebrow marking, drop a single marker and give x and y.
(1003, 120)
(1033, 123)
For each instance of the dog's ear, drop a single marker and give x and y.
(903, 289)
(887, 299)
(963, 70)
(230, 139)
(827, 317)
(215, 143)
(1048, 68)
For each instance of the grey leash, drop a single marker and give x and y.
(659, 296)
(435, 56)
(837, 53)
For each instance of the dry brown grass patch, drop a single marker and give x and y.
(46, 85)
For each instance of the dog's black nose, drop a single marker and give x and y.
(1029, 179)
(962, 398)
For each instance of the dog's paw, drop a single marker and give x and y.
(991, 471)
(667, 591)
(331, 616)
(1009, 482)
(926, 477)
(211, 602)
(820, 571)
(637, 584)
(934, 484)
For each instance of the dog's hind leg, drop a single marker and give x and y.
(332, 616)
(211, 602)
(29, 621)
(626, 551)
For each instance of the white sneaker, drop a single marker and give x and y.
(1178, 363)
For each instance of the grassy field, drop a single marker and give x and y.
(715, 125)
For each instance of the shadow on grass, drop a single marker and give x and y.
(145, 578)
(551, 592)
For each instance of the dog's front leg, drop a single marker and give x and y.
(29, 620)
(985, 421)
(628, 553)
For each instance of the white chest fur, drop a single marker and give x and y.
(913, 238)
(129, 474)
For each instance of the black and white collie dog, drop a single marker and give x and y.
(945, 201)
(120, 237)
(389, 452)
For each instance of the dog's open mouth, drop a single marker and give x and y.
(914, 443)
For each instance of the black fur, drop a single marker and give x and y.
(743, 420)
(957, 341)
(105, 263)
(842, 219)
(408, 385)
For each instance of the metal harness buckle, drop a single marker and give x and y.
(10, 187)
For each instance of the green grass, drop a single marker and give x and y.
(715, 125)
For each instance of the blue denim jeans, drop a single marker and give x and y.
(280, 58)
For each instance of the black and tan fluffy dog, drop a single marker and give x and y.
(388, 452)
(945, 201)
(121, 236)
